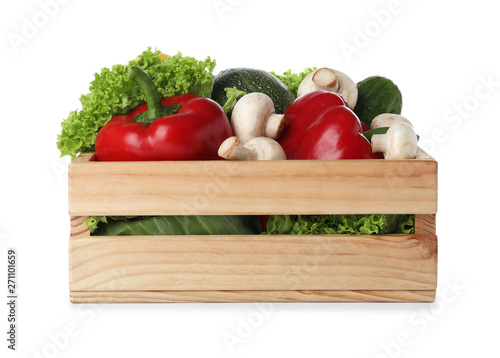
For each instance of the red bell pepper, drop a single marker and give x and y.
(320, 125)
(153, 132)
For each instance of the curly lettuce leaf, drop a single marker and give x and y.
(292, 80)
(93, 222)
(232, 94)
(375, 224)
(111, 94)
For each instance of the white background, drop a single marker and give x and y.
(441, 55)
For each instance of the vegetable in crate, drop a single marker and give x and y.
(320, 125)
(251, 80)
(400, 142)
(393, 135)
(330, 80)
(377, 95)
(255, 127)
(111, 94)
(185, 127)
(370, 224)
(180, 225)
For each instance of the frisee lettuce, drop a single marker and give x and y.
(111, 94)
(232, 94)
(292, 80)
(92, 222)
(375, 224)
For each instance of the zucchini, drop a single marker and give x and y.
(377, 95)
(252, 80)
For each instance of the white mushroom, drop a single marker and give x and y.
(330, 80)
(322, 79)
(254, 116)
(400, 142)
(387, 120)
(260, 148)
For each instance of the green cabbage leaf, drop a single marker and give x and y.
(180, 225)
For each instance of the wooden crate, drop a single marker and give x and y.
(281, 268)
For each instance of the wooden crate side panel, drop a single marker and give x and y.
(251, 296)
(330, 262)
(277, 187)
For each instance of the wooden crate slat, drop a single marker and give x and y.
(253, 262)
(251, 296)
(273, 187)
(78, 227)
(425, 224)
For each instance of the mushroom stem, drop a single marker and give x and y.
(253, 116)
(321, 79)
(379, 143)
(232, 149)
(400, 142)
(274, 125)
(260, 148)
(325, 79)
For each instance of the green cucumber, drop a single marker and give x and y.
(252, 80)
(377, 95)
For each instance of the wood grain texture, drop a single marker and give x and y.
(85, 157)
(251, 296)
(425, 224)
(253, 262)
(251, 187)
(78, 227)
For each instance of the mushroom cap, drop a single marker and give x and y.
(401, 142)
(347, 89)
(250, 115)
(265, 148)
(260, 148)
(387, 120)
(330, 80)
